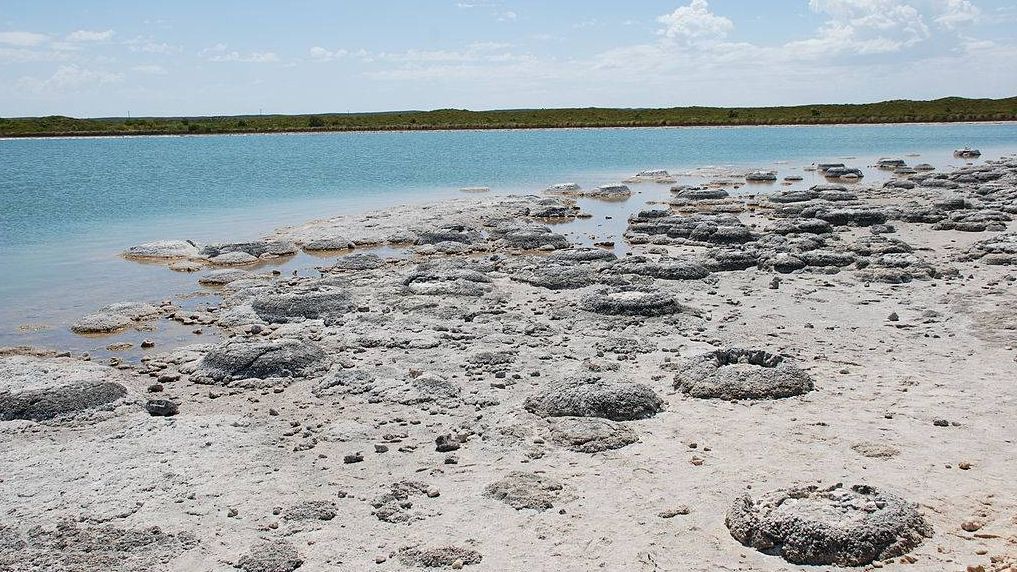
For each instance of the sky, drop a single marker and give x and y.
(100, 58)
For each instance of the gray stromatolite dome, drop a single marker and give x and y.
(591, 434)
(741, 374)
(828, 526)
(591, 396)
(261, 359)
(557, 276)
(39, 389)
(328, 305)
(626, 301)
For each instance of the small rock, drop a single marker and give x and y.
(354, 458)
(941, 423)
(446, 443)
(161, 408)
(673, 512)
(147, 344)
(971, 525)
(893, 317)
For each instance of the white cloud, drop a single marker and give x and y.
(150, 69)
(150, 46)
(695, 24)
(507, 16)
(320, 54)
(957, 13)
(69, 78)
(22, 39)
(90, 36)
(221, 53)
(864, 27)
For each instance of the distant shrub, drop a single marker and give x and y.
(315, 122)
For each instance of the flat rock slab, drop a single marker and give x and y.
(591, 434)
(70, 547)
(440, 557)
(828, 526)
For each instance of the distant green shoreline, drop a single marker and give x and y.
(946, 110)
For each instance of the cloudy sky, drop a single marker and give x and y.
(111, 57)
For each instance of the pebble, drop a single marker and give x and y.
(971, 525)
(353, 458)
(673, 512)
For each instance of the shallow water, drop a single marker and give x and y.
(69, 206)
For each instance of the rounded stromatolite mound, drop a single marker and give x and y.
(327, 305)
(631, 302)
(557, 276)
(39, 389)
(262, 359)
(271, 556)
(522, 490)
(741, 374)
(590, 396)
(591, 434)
(828, 526)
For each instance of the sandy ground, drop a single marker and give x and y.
(264, 459)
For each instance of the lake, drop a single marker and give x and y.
(69, 206)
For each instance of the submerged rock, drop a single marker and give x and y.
(828, 526)
(163, 249)
(114, 317)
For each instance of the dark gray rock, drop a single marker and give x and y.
(328, 304)
(161, 408)
(261, 359)
(358, 262)
(626, 301)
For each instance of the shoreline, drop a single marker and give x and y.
(611, 407)
(428, 129)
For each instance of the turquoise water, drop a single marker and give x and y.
(68, 206)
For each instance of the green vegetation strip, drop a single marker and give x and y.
(951, 109)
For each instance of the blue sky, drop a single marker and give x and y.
(111, 57)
